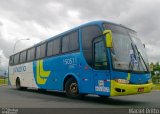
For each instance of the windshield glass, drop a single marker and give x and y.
(139, 48)
(127, 52)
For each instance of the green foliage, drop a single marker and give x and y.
(155, 72)
(155, 79)
(157, 87)
(3, 81)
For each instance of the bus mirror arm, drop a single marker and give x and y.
(108, 38)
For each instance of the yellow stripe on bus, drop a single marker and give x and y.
(41, 74)
(129, 76)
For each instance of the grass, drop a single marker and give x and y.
(157, 87)
(3, 81)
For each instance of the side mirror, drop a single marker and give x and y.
(108, 37)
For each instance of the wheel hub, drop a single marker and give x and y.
(73, 88)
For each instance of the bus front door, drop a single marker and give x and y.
(101, 72)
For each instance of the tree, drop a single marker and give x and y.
(155, 70)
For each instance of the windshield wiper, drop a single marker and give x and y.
(140, 56)
(130, 63)
(130, 66)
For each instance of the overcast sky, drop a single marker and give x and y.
(41, 19)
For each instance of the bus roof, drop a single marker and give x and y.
(98, 22)
(73, 29)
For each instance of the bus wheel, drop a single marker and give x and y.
(71, 88)
(103, 96)
(18, 84)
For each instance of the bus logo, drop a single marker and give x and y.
(41, 74)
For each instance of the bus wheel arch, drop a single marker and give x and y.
(71, 87)
(65, 80)
(18, 83)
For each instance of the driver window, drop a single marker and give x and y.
(100, 59)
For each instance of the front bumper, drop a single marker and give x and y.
(118, 89)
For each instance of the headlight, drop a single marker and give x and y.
(122, 81)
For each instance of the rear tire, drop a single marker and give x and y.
(18, 85)
(71, 87)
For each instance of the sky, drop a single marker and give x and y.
(41, 19)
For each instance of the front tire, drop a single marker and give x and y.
(103, 96)
(72, 89)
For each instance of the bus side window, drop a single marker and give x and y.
(11, 60)
(56, 46)
(43, 50)
(50, 48)
(100, 59)
(70, 42)
(65, 44)
(31, 54)
(53, 47)
(88, 33)
(73, 39)
(23, 57)
(16, 59)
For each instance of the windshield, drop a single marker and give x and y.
(140, 52)
(127, 52)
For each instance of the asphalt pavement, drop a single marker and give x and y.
(31, 98)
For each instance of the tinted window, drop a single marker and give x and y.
(49, 48)
(100, 60)
(38, 52)
(88, 34)
(53, 47)
(41, 51)
(74, 41)
(56, 46)
(11, 59)
(23, 57)
(31, 54)
(65, 44)
(70, 42)
(16, 59)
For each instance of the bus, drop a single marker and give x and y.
(99, 57)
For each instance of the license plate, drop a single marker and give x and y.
(140, 89)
